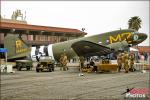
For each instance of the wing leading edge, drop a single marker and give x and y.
(87, 48)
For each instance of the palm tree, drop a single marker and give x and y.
(134, 23)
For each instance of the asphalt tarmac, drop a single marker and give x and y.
(30, 85)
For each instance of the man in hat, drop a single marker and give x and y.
(82, 60)
(126, 66)
(131, 62)
(61, 61)
(65, 61)
(119, 61)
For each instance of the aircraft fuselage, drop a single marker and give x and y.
(115, 40)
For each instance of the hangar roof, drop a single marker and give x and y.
(29, 27)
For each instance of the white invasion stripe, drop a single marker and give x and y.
(33, 53)
(50, 51)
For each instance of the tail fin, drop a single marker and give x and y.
(16, 47)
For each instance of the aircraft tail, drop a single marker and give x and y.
(16, 47)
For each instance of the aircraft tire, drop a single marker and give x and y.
(50, 67)
(28, 67)
(50, 70)
(19, 66)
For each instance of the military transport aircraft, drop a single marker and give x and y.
(96, 45)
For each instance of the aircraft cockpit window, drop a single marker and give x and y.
(135, 37)
(107, 41)
(99, 42)
(133, 32)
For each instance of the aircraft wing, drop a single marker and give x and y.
(87, 48)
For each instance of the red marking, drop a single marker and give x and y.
(140, 91)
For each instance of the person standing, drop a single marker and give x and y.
(65, 61)
(61, 61)
(82, 60)
(122, 60)
(145, 56)
(92, 64)
(136, 57)
(119, 61)
(37, 54)
(126, 66)
(131, 62)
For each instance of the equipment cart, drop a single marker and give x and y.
(23, 64)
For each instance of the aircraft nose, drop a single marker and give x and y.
(139, 37)
(145, 36)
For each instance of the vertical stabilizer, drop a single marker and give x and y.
(17, 48)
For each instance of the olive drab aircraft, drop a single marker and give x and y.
(96, 45)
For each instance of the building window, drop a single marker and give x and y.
(24, 36)
(62, 38)
(70, 38)
(30, 37)
(41, 38)
(52, 39)
(37, 37)
(1, 37)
